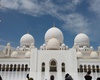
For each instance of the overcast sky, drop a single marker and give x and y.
(36, 16)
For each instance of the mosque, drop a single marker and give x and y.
(53, 60)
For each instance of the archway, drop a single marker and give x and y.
(52, 77)
(53, 66)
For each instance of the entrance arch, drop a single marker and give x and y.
(52, 77)
(53, 66)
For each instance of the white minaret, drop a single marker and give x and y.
(7, 50)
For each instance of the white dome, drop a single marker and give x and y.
(44, 45)
(63, 45)
(8, 44)
(98, 48)
(41, 47)
(93, 54)
(82, 40)
(91, 48)
(53, 44)
(26, 40)
(79, 54)
(66, 47)
(54, 32)
(17, 48)
(27, 54)
(84, 47)
(14, 54)
(32, 44)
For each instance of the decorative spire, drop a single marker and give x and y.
(27, 31)
(54, 25)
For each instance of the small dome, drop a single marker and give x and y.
(66, 47)
(98, 48)
(84, 47)
(53, 44)
(41, 47)
(8, 44)
(82, 40)
(44, 45)
(24, 47)
(79, 54)
(32, 44)
(27, 40)
(56, 32)
(14, 54)
(94, 54)
(91, 48)
(27, 54)
(17, 48)
(63, 45)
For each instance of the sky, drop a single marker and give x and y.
(17, 17)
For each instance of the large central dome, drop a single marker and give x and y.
(54, 32)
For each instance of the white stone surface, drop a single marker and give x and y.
(82, 40)
(26, 39)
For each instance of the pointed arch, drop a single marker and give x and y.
(52, 77)
(3, 67)
(7, 67)
(53, 65)
(43, 67)
(63, 67)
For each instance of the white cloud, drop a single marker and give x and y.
(76, 1)
(72, 21)
(10, 4)
(95, 6)
(1, 40)
(76, 23)
(41, 7)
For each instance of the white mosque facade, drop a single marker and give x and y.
(53, 60)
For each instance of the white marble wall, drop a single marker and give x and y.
(14, 75)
